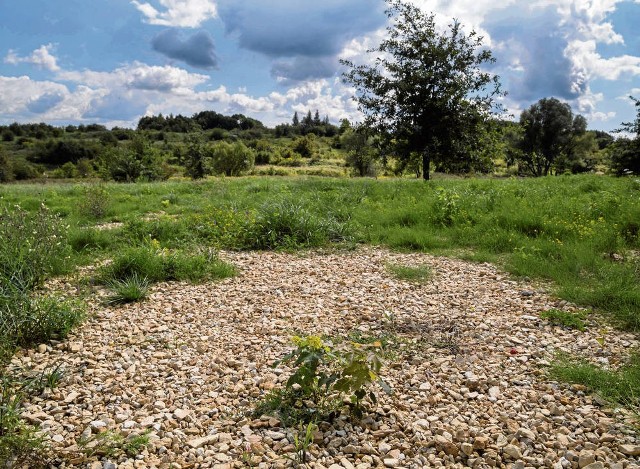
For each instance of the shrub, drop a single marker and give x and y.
(305, 146)
(32, 247)
(33, 321)
(96, 202)
(23, 170)
(6, 169)
(7, 135)
(196, 160)
(26, 320)
(138, 161)
(232, 159)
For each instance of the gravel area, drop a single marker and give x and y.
(469, 380)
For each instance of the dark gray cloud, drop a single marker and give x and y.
(44, 103)
(197, 50)
(536, 43)
(289, 71)
(289, 28)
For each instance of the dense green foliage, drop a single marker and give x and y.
(308, 146)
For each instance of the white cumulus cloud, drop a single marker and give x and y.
(41, 58)
(178, 13)
(588, 62)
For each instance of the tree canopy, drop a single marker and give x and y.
(427, 91)
(550, 136)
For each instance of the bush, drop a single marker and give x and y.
(32, 247)
(138, 161)
(7, 135)
(624, 156)
(232, 159)
(96, 202)
(59, 152)
(23, 170)
(305, 146)
(26, 321)
(195, 160)
(286, 224)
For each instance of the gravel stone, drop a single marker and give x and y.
(190, 363)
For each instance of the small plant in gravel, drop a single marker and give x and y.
(323, 376)
(111, 444)
(302, 439)
(565, 318)
(127, 290)
(417, 274)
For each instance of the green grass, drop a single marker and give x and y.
(620, 386)
(418, 274)
(565, 318)
(156, 265)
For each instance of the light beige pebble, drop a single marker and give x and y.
(467, 369)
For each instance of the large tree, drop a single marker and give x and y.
(427, 90)
(549, 136)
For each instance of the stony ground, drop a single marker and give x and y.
(468, 372)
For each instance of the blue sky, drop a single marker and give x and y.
(113, 61)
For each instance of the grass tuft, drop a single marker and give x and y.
(565, 318)
(127, 290)
(417, 274)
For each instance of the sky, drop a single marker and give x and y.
(114, 61)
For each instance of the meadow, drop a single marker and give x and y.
(581, 233)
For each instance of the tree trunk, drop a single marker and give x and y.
(426, 162)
